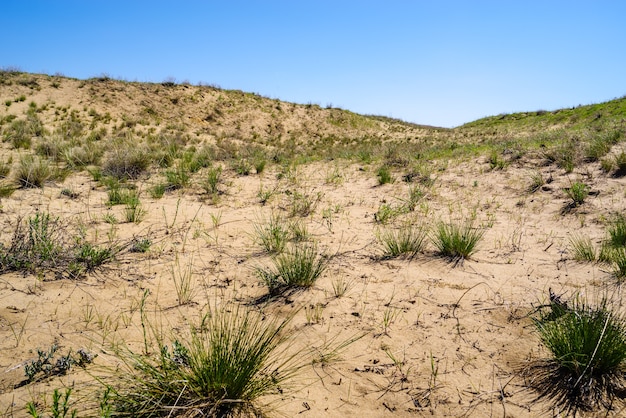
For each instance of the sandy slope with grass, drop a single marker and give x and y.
(424, 335)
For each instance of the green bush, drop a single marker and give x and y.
(272, 234)
(127, 161)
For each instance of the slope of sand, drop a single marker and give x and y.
(432, 337)
(458, 333)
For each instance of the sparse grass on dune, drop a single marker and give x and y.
(330, 178)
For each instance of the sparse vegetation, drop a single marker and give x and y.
(317, 173)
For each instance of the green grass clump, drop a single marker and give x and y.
(33, 172)
(126, 162)
(457, 240)
(229, 362)
(299, 267)
(582, 248)
(212, 180)
(587, 347)
(272, 234)
(384, 175)
(578, 192)
(406, 241)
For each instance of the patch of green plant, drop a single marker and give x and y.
(140, 245)
(620, 164)
(60, 407)
(158, 190)
(536, 181)
(407, 241)
(578, 192)
(457, 240)
(304, 203)
(496, 162)
(298, 267)
(178, 178)
(212, 180)
(126, 161)
(91, 256)
(32, 171)
(587, 347)
(271, 234)
(384, 175)
(5, 167)
(242, 166)
(387, 212)
(47, 364)
(563, 154)
(118, 195)
(232, 359)
(134, 212)
(20, 132)
(582, 248)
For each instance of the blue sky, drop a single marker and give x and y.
(438, 62)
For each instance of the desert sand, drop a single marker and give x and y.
(432, 336)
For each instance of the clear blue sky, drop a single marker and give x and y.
(437, 62)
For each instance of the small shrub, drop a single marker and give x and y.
(133, 211)
(158, 190)
(298, 268)
(303, 203)
(140, 245)
(457, 240)
(620, 164)
(406, 241)
(92, 257)
(618, 259)
(617, 231)
(496, 162)
(60, 407)
(588, 349)
(242, 167)
(386, 213)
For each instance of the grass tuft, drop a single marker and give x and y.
(406, 241)
(457, 240)
(299, 267)
(223, 369)
(587, 348)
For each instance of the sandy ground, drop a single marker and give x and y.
(436, 338)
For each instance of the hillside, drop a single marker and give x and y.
(152, 234)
